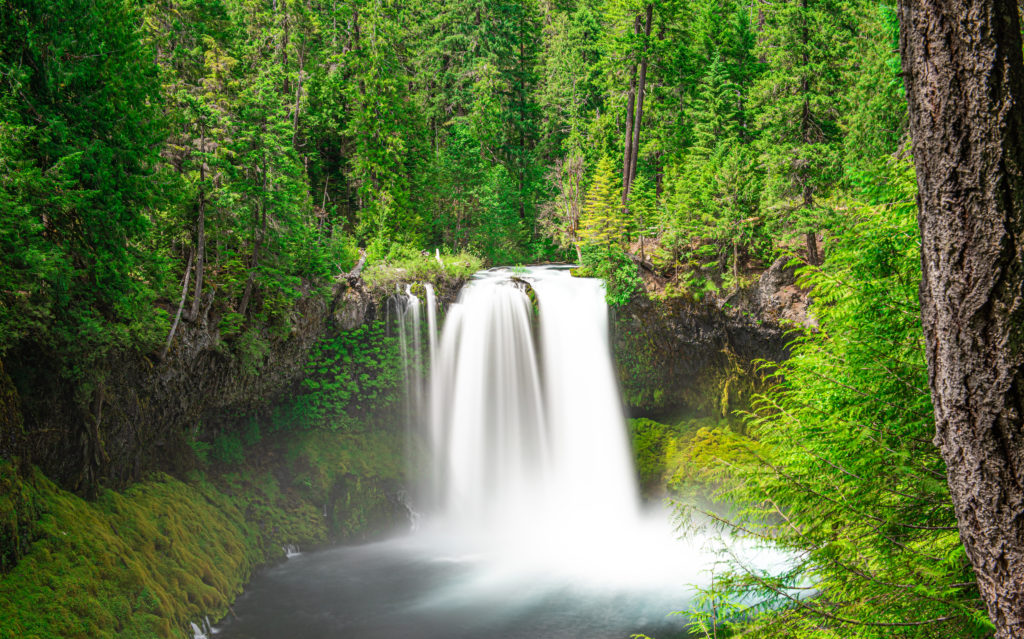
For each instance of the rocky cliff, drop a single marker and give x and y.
(683, 356)
(144, 411)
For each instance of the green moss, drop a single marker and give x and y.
(18, 517)
(143, 562)
(319, 458)
(668, 457)
(649, 440)
(10, 412)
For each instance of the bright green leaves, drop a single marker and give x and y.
(603, 232)
(837, 465)
(602, 223)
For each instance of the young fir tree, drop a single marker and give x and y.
(602, 236)
(602, 224)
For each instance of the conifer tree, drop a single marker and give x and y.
(804, 44)
(601, 223)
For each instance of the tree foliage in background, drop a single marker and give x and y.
(80, 132)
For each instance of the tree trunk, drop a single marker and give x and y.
(200, 237)
(177, 316)
(634, 154)
(807, 137)
(965, 85)
(630, 101)
(811, 236)
(250, 283)
(735, 266)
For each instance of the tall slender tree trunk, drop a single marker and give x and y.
(807, 136)
(177, 316)
(630, 102)
(193, 313)
(638, 122)
(964, 73)
(811, 237)
(254, 263)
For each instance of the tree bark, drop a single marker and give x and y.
(250, 282)
(811, 236)
(630, 101)
(200, 236)
(807, 137)
(964, 72)
(634, 154)
(177, 316)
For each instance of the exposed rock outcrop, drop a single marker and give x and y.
(683, 356)
(143, 411)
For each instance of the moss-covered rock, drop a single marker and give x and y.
(668, 455)
(141, 563)
(11, 421)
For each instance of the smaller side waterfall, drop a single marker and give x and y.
(410, 328)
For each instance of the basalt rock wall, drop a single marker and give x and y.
(683, 356)
(143, 412)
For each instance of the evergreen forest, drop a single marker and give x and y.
(172, 170)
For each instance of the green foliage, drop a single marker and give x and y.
(611, 264)
(78, 145)
(201, 450)
(602, 223)
(227, 448)
(251, 349)
(650, 440)
(405, 265)
(838, 467)
(251, 147)
(350, 377)
(602, 230)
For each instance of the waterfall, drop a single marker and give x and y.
(526, 431)
(410, 328)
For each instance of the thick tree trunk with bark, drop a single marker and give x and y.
(965, 89)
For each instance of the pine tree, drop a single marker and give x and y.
(601, 223)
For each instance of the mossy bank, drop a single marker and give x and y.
(148, 560)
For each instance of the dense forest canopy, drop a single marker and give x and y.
(162, 158)
(255, 144)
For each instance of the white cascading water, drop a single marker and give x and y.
(531, 525)
(526, 421)
(527, 462)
